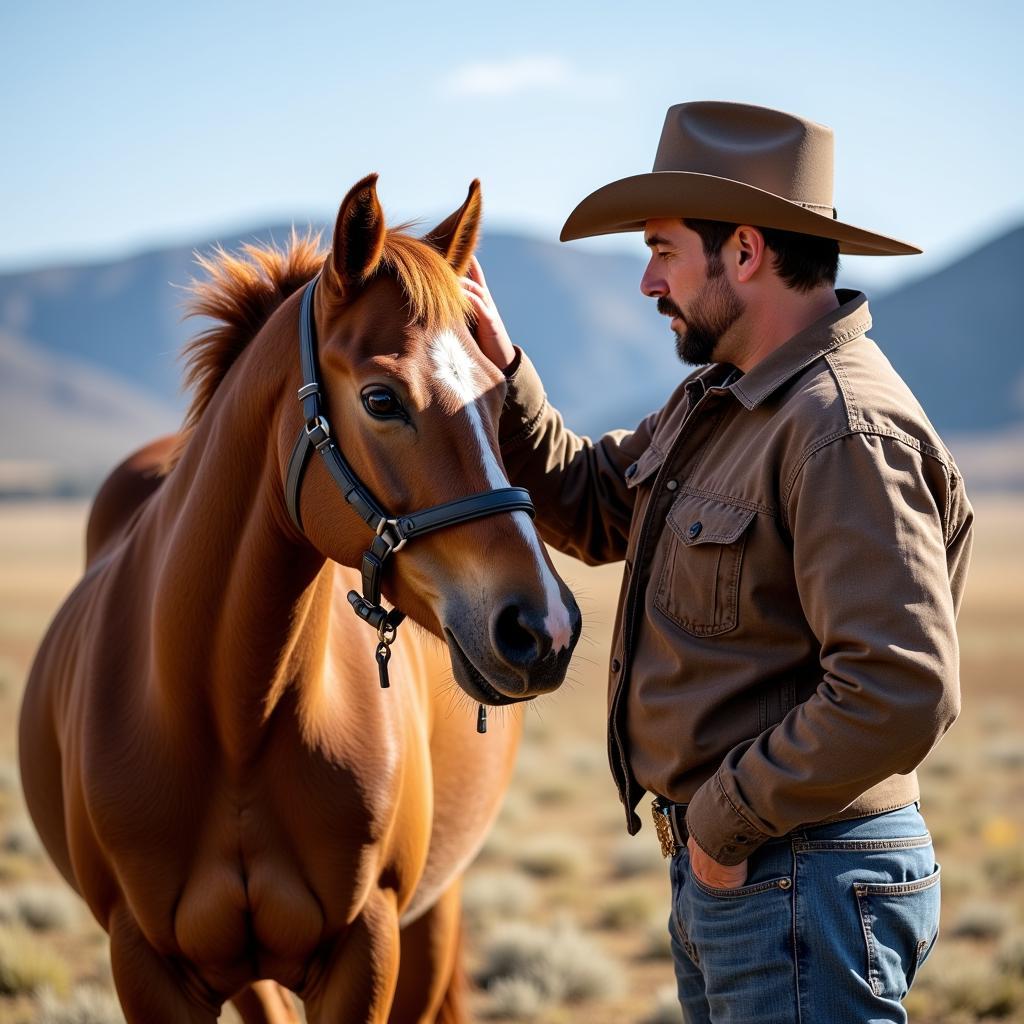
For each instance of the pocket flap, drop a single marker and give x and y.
(696, 520)
(645, 467)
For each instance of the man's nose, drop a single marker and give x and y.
(653, 286)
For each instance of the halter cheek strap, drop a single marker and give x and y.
(391, 533)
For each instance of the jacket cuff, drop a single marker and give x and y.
(718, 826)
(525, 400)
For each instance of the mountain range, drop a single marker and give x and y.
(89, 369)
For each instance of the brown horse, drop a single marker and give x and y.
(205, 748)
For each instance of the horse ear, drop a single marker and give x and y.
(358, 237)
(456, 236)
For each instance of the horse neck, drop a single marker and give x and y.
(241, 601)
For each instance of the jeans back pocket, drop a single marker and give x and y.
(900, 922)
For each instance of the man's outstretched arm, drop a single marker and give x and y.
(584, 506)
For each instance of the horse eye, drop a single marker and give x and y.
(382, 403)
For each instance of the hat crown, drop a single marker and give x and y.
(769, 149)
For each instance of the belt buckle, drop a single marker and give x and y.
(663, 827)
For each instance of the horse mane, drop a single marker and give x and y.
(241, 290)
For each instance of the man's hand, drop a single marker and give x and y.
(490, 332)
(713, 874)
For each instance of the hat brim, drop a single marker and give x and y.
(627, 205)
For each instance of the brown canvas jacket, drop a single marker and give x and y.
(795, 548)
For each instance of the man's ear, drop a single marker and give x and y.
(456, 236)
(358, 238)
(750, 251)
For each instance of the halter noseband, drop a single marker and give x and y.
(391, 533)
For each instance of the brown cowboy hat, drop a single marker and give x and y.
(737, 163)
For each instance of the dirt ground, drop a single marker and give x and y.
(559, 871)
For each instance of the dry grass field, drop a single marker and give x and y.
(565, 912)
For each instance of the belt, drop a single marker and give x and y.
(670, 824)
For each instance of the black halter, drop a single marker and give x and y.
(391, 533)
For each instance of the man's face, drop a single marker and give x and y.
(691, 289)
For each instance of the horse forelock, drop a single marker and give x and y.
(436, 301)
(241, 290)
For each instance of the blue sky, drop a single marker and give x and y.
(125, 128)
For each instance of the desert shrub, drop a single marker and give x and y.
(514, 808)
(980, 991)
(491, 895)
(1006, 867)
(977, 920)
(666, 1008)
(536, 733)
(962, 879)
(45, 907)
(559, 961)
(956, 988)
(516, 999)
(86, 1005)
(496, 845)
(637, 855)
(657, 941)
(625, 909)
(941, 764)
(8, 907)
(553, 791)
(552, 856)
(27, 965)
(1006, 754)
(588, 759)
(1010, 958)
(20, 838)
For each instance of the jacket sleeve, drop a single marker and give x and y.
(879, 530)
(584, 507)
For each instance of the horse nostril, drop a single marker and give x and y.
(519, 636)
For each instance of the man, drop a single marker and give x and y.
(795, 538)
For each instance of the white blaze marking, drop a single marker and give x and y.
(456, 372)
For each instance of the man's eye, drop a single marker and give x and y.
(382, 403)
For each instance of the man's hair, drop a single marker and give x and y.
(802, 261)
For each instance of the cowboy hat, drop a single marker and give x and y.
(737, 163)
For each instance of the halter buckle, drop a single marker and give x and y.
(392, 524)
(318, 424)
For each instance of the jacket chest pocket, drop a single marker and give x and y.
(699, 584)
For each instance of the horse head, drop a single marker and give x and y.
(414, 407)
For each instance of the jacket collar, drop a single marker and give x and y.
(851, 320)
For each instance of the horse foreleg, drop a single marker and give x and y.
(151, 991)
(358, 981)
(265, 1002)
(431, 985)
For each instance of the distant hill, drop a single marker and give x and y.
(110, 332)
(124, 316)
(957, 337)
(64, 421)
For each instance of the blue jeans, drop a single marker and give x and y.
(830, 927)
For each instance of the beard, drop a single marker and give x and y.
(714, 309)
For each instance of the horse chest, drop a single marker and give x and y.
(256, 867)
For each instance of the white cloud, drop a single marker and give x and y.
(531, 73)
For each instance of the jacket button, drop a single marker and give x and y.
(785, 883)
(671, 485)
(695, 529)
(616, 664)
